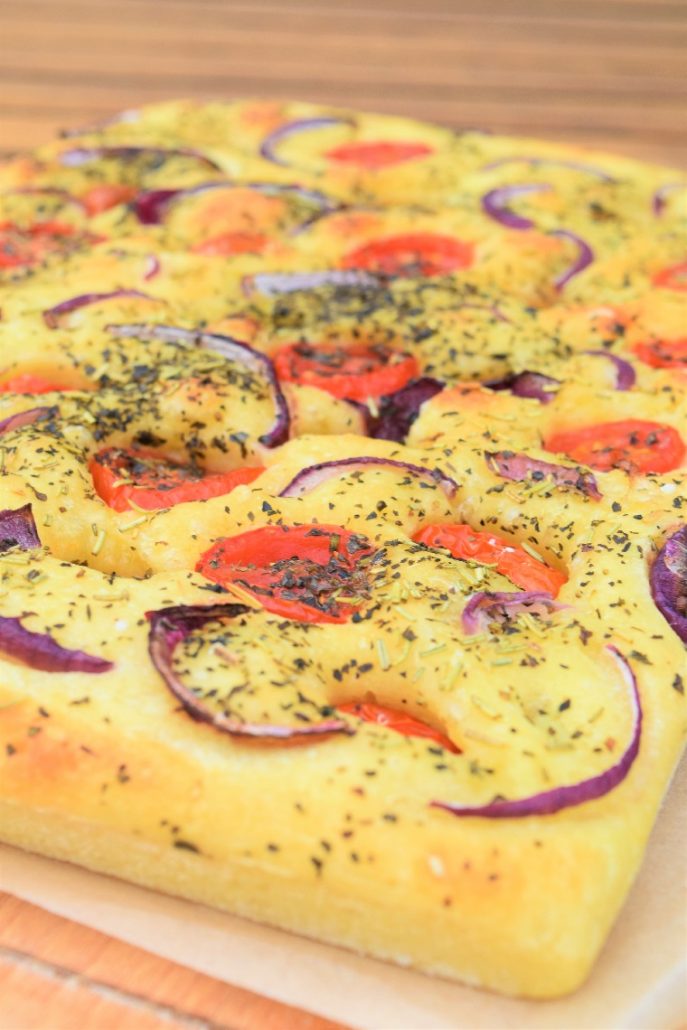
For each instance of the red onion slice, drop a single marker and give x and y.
(277, 136)
(274, 284)
(232, 350)
(495, 203)
(312, 476)
(25, 418)
(151, 206)
(550, 801)
(77, 156)
(585, 256)
(397, 411)
(625, 374)
(520, 467)
(169, 627)
(18, 529)
(41, 651)
(485, 607)
(535, 162)
(52, 316)
(152, 267)
(534, 385)
(668, 580)
(660, 197)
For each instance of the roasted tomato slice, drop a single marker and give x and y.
(663, 353)
(633, 445)
(106, 195)
(148, 481)
(354, 372)
(28, 246)
(672, 278)
(229, 243)
(29, 382)
(411, 254)
(381, 154)
(487, 548)
(308, 573)
(399, 722)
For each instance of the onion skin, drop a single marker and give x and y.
(232, 350)
(170, 627)
(312, 476)
(40, 651)
(25, 418)
(520, 467)
(270, 142)
(585, 257)
(668, 579)
(273, 284)
(478, 610)
(494, 203)
(551, 801)
(659, 199)
(52, 316)
(398, 411)
(625, 374)
(18, 529)
(532, 385)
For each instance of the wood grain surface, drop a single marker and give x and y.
(608, 73)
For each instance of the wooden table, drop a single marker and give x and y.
(602, 72)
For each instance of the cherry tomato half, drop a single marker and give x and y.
(29, 382)
(27, 246)
(411, 254)
(487, 548)
(309, 573)
(382, 154)
(672, 278)
(152, 482)
(399, 722)
(355, 372)
(106, 195)
(663, 353)
(633, 445)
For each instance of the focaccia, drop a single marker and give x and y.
(343, 555)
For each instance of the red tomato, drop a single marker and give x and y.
(355, 372)
(370, 155)
(399, 722)
(663, 353)
(102, 198)
(152, 482)
(28, 246)
(299, 572)
(29, 382)
(411, 254)
(672, 278)
(633, 445)
(229, 243)
(489, 549)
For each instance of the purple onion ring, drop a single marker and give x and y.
(274, 284)
(668, 579)
(585, 256)
(520, 467)
(169, 627)
(550, 801)
(277, 136)
(484, 606)
(41, 651)
(534, 162)
(52, 316)
(625, 374)
(533, 385)
(25, 418)
(495, 203)
(397, 411)
(232, 350)
(18, 529)
(77, 156)
(311, 477)
(660, 197)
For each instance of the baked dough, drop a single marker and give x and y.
(538, 289)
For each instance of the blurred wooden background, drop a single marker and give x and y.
(604, 72)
